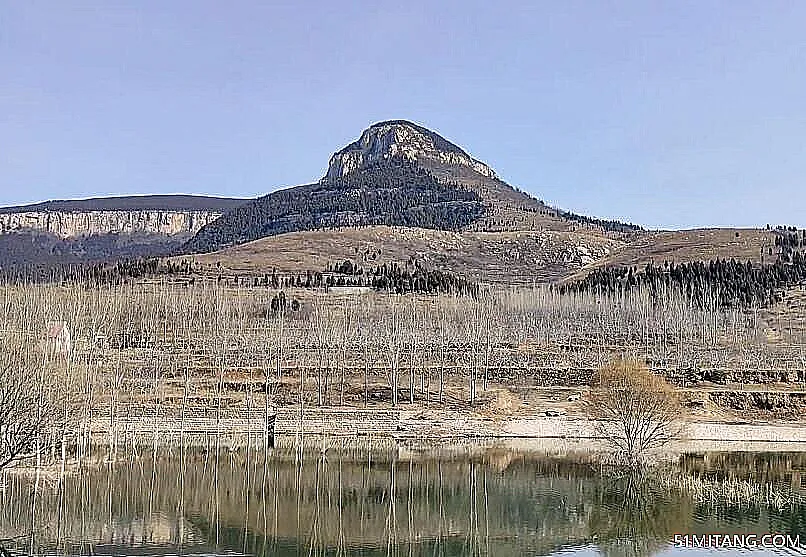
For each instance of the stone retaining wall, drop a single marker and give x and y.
(782, 402)
(339, 421)
(155, 419)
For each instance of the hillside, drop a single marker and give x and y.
(399, 174)
(103, 229)
(490, 257)
(510, 209)
(394, 191)
(685, 246)
(509, 257)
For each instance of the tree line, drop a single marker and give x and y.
(728, 282)
(389, 277)
(607, 225)
(392, 277)
(788, 242)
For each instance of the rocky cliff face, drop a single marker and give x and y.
(399, 137)
(70, 224)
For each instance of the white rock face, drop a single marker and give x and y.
(74, 224)
(400, 138)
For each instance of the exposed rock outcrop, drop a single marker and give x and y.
(399, 137)
(65, 225)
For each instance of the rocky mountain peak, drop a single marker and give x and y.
(400, 138)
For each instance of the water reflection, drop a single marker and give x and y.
(373, 502)
(636, 516)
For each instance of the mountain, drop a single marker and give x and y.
(100, 229)
(396, 174)
(400, 193)
(403, 193)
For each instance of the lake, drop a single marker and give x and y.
(369, 501)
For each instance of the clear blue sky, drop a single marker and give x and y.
(669, 114)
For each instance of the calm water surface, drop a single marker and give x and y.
(364, 502)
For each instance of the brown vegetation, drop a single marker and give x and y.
(686, 246)
(140, 347)
(636, 411)
(522, 257)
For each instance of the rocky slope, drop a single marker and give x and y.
(686, 246)
(384, 140)
(514, 258)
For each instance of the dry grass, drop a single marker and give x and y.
(685, 246)
(496, 257)
(523, 257)
(731, 491)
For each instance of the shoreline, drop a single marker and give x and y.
(415, 437)
(431, 425)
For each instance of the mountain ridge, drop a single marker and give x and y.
(104, 228)
(150, 202)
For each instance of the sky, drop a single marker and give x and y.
(667, 114)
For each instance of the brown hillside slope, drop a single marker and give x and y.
(494, 257)
(683, 246)
(509, 209)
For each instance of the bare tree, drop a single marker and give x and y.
(393, 335)
(26, 411)
(347, 333)
(635, 410)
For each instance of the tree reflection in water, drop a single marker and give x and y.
(368, 502)
(635, 516)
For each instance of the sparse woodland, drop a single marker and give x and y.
(391, 277)
(185, 346)
(157, 336)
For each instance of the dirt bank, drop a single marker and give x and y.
(442, 425)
